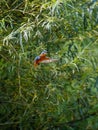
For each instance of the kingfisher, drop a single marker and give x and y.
(42, 58)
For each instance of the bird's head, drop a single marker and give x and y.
(43, 53)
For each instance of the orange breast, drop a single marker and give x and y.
(42, 58)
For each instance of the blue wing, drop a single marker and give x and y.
(37, 58)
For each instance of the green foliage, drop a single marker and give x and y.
(59, 95)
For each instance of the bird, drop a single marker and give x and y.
(42, 58)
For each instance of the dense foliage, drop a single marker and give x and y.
(59, 95)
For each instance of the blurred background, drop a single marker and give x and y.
(62, 95)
